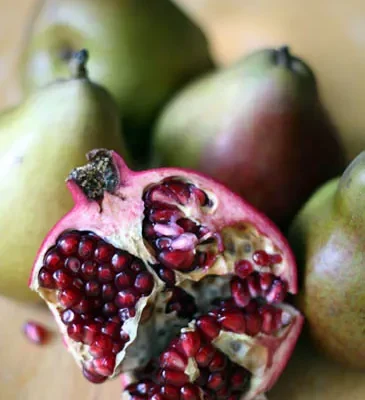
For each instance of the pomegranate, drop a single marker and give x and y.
(171, 279)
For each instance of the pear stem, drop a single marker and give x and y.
(78, 63)
(283, 56)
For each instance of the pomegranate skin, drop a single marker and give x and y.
(328, 238)
(113, 210)
(259, 127)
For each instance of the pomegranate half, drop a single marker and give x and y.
(171, 279)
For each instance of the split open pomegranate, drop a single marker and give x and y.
(171, 279)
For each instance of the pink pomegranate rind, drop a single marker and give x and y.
(147, 257)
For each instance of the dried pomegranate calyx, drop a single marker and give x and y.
(143, 255)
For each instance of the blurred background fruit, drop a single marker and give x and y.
(141, 51)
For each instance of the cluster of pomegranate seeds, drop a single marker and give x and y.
(217, 379)
(97, 287)
(35, 332)
(167, 229)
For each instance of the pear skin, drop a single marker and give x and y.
(142, 51)
(41, 141)
(258, 126)
(328, 238)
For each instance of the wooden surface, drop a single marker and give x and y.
(29, 372)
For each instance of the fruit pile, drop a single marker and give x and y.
(175, 277)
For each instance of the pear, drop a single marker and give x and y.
(259, 126)
(142, 52)
(328, 238)
(41, 140)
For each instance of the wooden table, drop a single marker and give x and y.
(29, 372)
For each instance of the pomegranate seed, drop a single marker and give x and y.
(68, 243)
(266, 280)
(62, 279)
(240, 293)
(78, 284)
(120, 261)
(35, 332)
(253, 324)
(89, 270)
(171, 359)
(190, 343)
(52, 260)
(163, 243)
(157, 396)
(163, 215)
(117, 347)
(180, 190)
(103, 252)
(275, 259)
(108, 292)
(126, 313)
(176, 378)
(91, 331)
(76, 332)
(144, 283)
(111, 329)
(137, 266)
(124, 337)
(239, 379)
(69, 297)
(188, 225)
(253, 285)
(189, 392)
(68, 316)
(101, 346)
(209, 326)
(82, 307)
(109, 309)
(105, 365)
(170, 392)
(105, 273)
(200, 196)
(92, 289)
(205, 355)
(93, 377)
(73, 264)
(243, 268)
(167, 275)
(177, 259)
(222, 393)
(124, 280)
(218, 362)
(216, 381)
(86, 248)
(233, 320)
(126, 298)
(45, 279)
(268, 319)
(277, 292)
(261, 258)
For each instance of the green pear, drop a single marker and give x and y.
(142, 51)
(259, 126)
(328, 238)
(41, 141)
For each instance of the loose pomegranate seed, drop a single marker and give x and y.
(144, 283)
(190, 343)
(45, 279)
(73, 264)
(208, 326)
(35, 332)
(68, 243)
(243, 268)
(261, 258)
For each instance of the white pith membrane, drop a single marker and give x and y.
(234, 232)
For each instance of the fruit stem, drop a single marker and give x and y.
(283, 56)
(77, 64)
